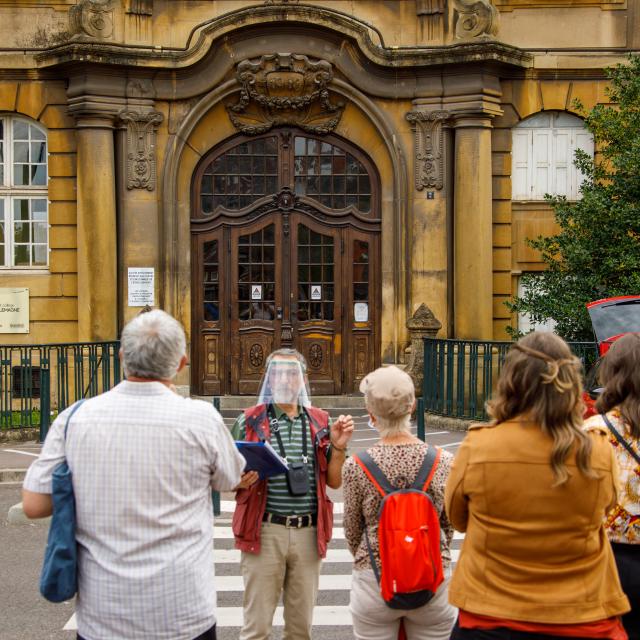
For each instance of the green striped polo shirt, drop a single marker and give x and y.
(279, 500)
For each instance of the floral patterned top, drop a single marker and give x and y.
(623, 521)
(400, 463)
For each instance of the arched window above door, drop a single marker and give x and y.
(327, 171)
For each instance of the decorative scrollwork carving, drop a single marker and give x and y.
(429, 147)
(141, 148)
(92, 19)
(315, 355)
(256, 356)
(475, 19)
(284, 89)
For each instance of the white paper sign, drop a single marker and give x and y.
(141, 284)
(256, 292)
(361, 312)
(316, 292)
(14, 310)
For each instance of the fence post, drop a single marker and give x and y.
(45, 402)
(423, 324)
(215, 495)
(420, 419)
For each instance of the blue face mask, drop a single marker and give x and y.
(371, 425)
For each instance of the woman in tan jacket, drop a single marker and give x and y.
(530, 490)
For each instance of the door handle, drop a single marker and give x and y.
(278, 313)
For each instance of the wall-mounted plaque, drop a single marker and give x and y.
(141, 285)
(14, 310)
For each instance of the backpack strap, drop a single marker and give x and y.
(74, 408)
(427, 469)
(619, 438)
(374, 473)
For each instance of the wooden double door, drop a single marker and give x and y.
(292, 272)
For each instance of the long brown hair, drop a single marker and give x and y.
(542, 379)
(620, 375)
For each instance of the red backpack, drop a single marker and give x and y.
(408, 534)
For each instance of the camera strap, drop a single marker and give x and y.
(274, 425)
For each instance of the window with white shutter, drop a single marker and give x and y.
(525, 323)
(543, 151)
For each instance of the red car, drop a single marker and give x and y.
(611, 318)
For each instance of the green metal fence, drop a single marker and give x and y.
(38, 381)
(461, 375)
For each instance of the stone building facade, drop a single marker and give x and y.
(289, 173)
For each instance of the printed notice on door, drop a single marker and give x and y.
(14, 310)
(141, 284)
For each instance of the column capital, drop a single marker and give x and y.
(93, 111)
(472, 121)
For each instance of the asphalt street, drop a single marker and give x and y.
(25, 615)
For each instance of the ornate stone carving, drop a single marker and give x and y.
(92, 19)
(429, 147)
(423, 324)
(256, 356)
(267, 2)
(284, 89)
(141, 148)
(315, 355)
(475, 19)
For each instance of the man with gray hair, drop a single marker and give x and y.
(144, 461)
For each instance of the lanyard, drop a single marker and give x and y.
(275, 428)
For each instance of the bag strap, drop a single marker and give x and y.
(427, 469)
(619, 438)
(374, 473)
(74, 408)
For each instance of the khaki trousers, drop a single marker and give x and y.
(288, 562)
(374, 620)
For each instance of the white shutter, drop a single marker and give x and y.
(582, 139)
(541, 164)
(525, 323)
(520, 163)
(563, 161)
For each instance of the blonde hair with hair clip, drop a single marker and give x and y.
(542, 380)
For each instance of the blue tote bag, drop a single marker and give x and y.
(58, 580)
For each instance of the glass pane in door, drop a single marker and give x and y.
(316, 265)
(210, 281)
(256, 275)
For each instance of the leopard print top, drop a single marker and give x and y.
(400, 463)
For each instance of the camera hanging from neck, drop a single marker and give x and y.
(298, 474)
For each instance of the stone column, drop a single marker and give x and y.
(473, 255)
(423, 324)
(96, 228)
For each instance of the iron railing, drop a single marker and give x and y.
(461, 375)
(38, 381)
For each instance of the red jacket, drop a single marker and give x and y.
(251, 503)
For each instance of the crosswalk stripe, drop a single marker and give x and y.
(338, 616)
(334, 616)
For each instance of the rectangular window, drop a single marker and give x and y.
(24, 218)
(525, 323)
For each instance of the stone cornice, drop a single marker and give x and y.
(199, 43)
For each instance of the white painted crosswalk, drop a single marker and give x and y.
(335, 581)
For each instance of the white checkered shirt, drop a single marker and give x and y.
(144, 461)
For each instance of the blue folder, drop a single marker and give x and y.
(262, 457)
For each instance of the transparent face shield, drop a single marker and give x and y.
(284, 383)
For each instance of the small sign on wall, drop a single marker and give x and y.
(141, 285)
(14, 310)
(256, 292)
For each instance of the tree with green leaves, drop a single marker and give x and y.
(596, 253)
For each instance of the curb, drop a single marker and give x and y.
(445, 422)
(12, 475)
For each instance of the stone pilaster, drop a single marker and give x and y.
(96, 226)
(423, 324)
(473, 255)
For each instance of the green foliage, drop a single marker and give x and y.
(596, 253)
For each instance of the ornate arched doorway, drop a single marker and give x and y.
(285, 252)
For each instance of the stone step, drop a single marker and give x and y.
(238, 403)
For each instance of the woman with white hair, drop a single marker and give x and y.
(390, 399)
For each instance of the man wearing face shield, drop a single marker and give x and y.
(283, 525)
